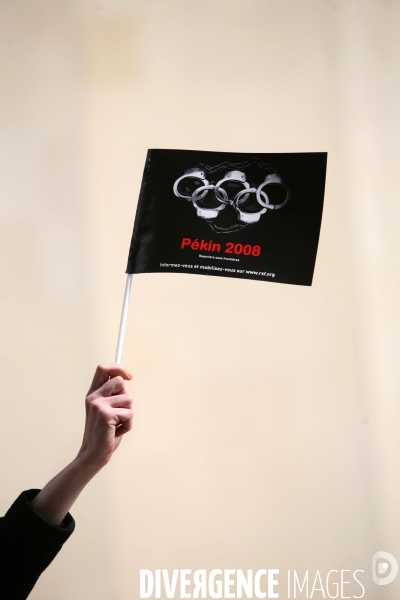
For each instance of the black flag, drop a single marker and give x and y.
(253, 216)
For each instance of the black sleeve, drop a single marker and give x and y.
(28, 544)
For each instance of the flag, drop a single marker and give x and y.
(250, 216)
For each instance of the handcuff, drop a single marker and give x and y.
(237, 176)
(206, 212)
(272, 179)
(248, 217)
(194, 173)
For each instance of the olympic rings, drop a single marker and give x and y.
(222, 198)
(206, 212)
(273, 179)
(190, 174)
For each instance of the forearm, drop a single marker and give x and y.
(56, 498)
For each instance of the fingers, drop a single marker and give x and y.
(125, 417)
(121, 401)
(104, 372)
(122, 430)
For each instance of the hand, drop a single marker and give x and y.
(108, 415)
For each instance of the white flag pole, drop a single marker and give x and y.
(124, 316)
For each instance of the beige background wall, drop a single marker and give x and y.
(274, 445)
